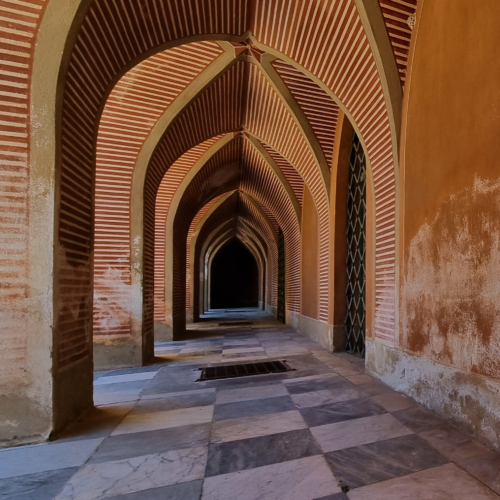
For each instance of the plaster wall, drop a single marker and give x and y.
(449, 337)
(310, 257)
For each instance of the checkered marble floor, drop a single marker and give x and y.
(324, 431)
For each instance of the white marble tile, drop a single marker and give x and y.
(176, 394)
(325, 396)
(45, 457)
(116, 397)
(230, 350)
(303, 479)
(365, 430)
(447, 482)
(254, 426)
(129, 377)
(135, 474)
(393, 401)
(310, 377)
(259, 392)
(141, 422)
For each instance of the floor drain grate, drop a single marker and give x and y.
(235, 323)
(243, 370)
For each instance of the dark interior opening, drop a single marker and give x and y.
(234, 279)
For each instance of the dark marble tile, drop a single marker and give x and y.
(340, 412)
(41, 486)
(182, 491)
(318, 384)
(418, 419)
(371, 463)
(176, 379)
(257, 452)
(337, 496)
(174, 402)
(146, 443)
(254, 407)
(244, 382)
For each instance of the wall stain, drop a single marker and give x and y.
(451, 293)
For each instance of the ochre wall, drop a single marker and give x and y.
(310, 257)
(450, 286)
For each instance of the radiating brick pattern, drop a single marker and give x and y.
(326, 38)
(396, 14)
(320, 109)
(168, 187)
(292, 176)
(236, 166)
(19, 23)
(192, 228)
(134, 106)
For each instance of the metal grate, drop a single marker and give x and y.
(356, 251)
(281, 315)
(243, 370)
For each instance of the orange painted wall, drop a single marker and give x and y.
(450, 182)
(310, 257)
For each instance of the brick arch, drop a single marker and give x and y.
(234, 167)
(250, 220)
(338, 54)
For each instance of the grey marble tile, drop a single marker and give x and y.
(41, 486)
(341, 435)
(318, 385)
(138, 369)
(418, 419)
(108, 479)
(182, 491)
(340, 412)
(135, 385)
(478, 460)
(204, 397)
(152, 442)
(45, 457)
(131, 377)
(253, 407)
(302, 479)
(256, 425)
(260, 451)
(371, 463)
(251, 381)
(249, 393)
(446, 482)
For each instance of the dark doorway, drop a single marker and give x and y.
(234, 278)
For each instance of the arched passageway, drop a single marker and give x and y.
(234, 278)
(138, 138)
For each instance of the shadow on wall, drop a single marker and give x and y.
(234, 280)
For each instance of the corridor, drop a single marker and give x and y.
(323, 431)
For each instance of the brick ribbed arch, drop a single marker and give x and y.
(132, 109)
(166, 191)
(238, 211)
(234, 167)
(327, 40)
(241, 97)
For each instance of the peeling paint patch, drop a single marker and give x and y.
(451, 294)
